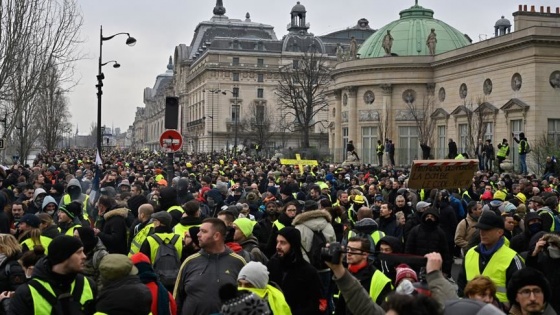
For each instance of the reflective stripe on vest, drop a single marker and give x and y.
(139, 239)
(377, 284)
(182, 229)
(278, 225)
(178, 208)
(42, 306)
(166, 238)
(379, 149)
(502, 152)
(45, 241)
(495, 269)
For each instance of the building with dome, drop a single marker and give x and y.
(229, 72)
(419, 80)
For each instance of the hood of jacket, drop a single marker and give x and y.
(366, 225)
(215, 195)
(46, 201)
(431, 211)
(190, 221)
(392, 241)
(37, 192)
(250, 240)
(528, 217)
(316, 220)
(552, 239)
(123, 212)
(137, 299)
(74, 183)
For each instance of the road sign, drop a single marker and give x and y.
(171, 140)
(1, 144)
(440, 174)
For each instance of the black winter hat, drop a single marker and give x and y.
(88, 238)
(524, 277)
(292, 235)
(63, 247)
(135, 202)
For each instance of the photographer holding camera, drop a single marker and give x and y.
(372, 280)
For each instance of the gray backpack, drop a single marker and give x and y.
(167, 262)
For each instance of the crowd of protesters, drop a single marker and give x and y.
(218, 235)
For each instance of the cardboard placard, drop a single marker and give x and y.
(440, 174)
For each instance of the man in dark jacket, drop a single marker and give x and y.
(297, 278)
(111, 226)
(533, 225)
(388, 221)
(58, 273)
(427, 238)
(546, 258)
(447, 218)
(168, 202)
(415, 218)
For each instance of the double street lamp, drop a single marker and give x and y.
(130, 41)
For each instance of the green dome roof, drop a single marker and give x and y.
(410, 33)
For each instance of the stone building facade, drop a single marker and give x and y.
(509, 83)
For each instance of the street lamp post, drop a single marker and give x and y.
(236, 122)
(130, 41)
(213, 91)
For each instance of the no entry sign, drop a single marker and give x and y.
(171, 140)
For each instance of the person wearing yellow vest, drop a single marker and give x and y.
(379, 152)
(372, 280)
(190, 218)
(163, 234)
(253, 277)
(168, 202)
(67, 221)
(503, 153)
(491, 257)
(31, 233)
(140, 231)
(57, 280)
(74, 193)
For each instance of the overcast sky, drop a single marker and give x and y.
(160, 25)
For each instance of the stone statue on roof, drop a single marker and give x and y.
(431, 42)
(339, 52)
(388, 43)
(353, 48)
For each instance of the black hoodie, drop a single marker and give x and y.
(22, 300)
(520, 243)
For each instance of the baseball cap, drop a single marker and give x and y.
(163, 216)
(489, 220)
(422, 205)
(537, 199)
(31, 220)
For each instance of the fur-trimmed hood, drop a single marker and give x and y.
(123, 212)
(552, 238)
(308, 215)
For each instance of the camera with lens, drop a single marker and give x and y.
(332, 253)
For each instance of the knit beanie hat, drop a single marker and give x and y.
(135, 202)
(245, 225)
(69, 213)
(255, 273)
(241, 302)
(404, 271)
(88, 238)
(292, 235)
(63, 247)
(524, 277)
(31, 220)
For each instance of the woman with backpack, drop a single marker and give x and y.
(12, 274)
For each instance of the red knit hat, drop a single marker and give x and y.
(140, 257)
(404, 271)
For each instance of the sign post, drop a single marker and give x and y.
(171, 141)
(441, 174)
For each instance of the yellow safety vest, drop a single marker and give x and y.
(42, 306)
(274, 297)
(179, 208)
(375, 236)
(278, 225)
(45, 241)
(378, 282)
(519, 147)
(553, 226)
(182, 229)
(67, 200)
(379, 149)
(70, 231)
(502, 152)
(422, 194)
(495, 269)
(139, 239)
(166, 238)
(460, 157)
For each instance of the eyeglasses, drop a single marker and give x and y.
(527, 292)
(291, 210)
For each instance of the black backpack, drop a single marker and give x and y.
(167, 261)
(318, 242)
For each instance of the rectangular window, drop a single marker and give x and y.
(260, 93)
(408, 147)
(236, 76)
(260, 62)
(260, 113)
(516, 126)
(488, 131)
(295, 64)
(554, 131)
(344, 142)
(463, 137)
(234, 113)
(235, 92)
(442, 143)
(369, 145)
(260, 77)
(235, 61)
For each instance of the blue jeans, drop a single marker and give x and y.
(481, 162)
(523, 163)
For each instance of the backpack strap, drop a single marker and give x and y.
(78, 288)
(174, 239)
(157, 239)
(43, 292)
